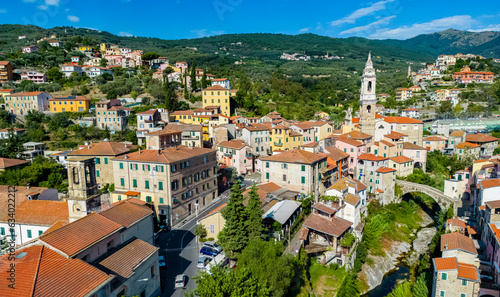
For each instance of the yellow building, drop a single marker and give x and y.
(214, 222)
(103, 47)
(218, 96)
(183, 116)
(84, 48)
(283, 138)
(70, 103)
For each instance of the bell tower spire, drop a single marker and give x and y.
(368, 98)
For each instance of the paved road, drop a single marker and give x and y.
(181, 251)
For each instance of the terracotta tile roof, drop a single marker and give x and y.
(219, 79)
(390, 144)
(104, 148)
(4, 62)
(216, 87)
(215, 210)
(127, 213)
(295, 156)
(56, 226)
(483, 160)
(41, 212)
(360, 186)
(371, 157)
(127, 259)
(355, 135)
(412, 146)
(21, 196)
(119, 108)
(70, 98)
(183, 112)
(336, 227)
(233, 143)
(435, 138)
(316, 123)
(457, 133)
(351, 199)
(402, 120)
(467, 145)
(468, 271)
(25, 94)
(385, 170)
(269, 187)
(80, 234)
(303, 126)
(44, 272)
(256, 127)
(7, 163)
(395, 135)
(455, 222)
(310, 144)
(336, 154)
(490, 183)
(6, 90)
(325, 208)
(350, 141)
(379, 191)
(452, 241)
(493, 204)
(401, 159)
(441, 264)
(168, 155)
(151, 111)
(480, 137)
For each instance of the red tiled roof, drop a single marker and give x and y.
(411, 146)
(355, 135)
(466, 145)
(168, 155)
(371, 157)
(452, 241)
(336, 154)
(480, 137)
(151, 111)
(41, 212)
(379, 191)
(456, 222)
(127, 213)
(445, 263)
(435, 138)
(350, 141)
(216, 87)
(25, 94)
(401, 159)
(351, 199)
(457, 133)
(493, 204)
(336, 227)
(390, 144)
(7, 163)
(402, 120)
(395, 135)
(80, 234)
(325, 208)
(44, 272)
(104, 148)
(6, 90)
(233, 143)
(468, 271)
(385, 170)
(490, 183)
(295, 156)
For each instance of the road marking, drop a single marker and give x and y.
(182, 239)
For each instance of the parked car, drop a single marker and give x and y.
(213, 245)
(208, 251)
(161, 262)
(180, 281)
(203, 261)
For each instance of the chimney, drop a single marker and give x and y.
(28, 186)
(445, 246)
(126, 157)
(159, 151)
(139, 151)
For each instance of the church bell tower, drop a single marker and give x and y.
(368, 99)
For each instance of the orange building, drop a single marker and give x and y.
(466, 76)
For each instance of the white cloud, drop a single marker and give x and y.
(304, 30)
(200, 33)
(372, 26)
(73, 18)
(42, 7)
(52, 2)
(487, 28)
(125, 34)
(459, 22)
(362, 12)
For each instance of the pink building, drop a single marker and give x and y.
(235, 153)
(35, 77)
(352, 147)
(30, 49)
(182, 65)
(417, 153)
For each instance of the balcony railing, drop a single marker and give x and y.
(247, 155)
(229, 155)
(278, 144)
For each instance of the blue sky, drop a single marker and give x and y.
(176, 19)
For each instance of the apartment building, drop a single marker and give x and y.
(218, 96)
(488, 143)
(402, 164)
(374, 172)
(69, 103)
(435, 143)
(306, 130)
(455, 138)
(297, 170)
(352, 147)
(237, 154)
(149, 121)
(5, 72)
(467, 150)
(178, 181)
(35, 77)
(403, 94)
(103, 152)
(111, 115)
(223, 82)
(283, 138)
(68, 69)
(322, 129)
(387, 149)
(466, 76)
(257, 137)
(412, 127)
(22, 103)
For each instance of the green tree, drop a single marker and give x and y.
(349, 287)
(149, 56)
(255, 227)
(11, 147)
(54, 75)
(233, 237)
(402, 290)
(204, 82)
(200, 231)
(59, 120)
(446, 107)
(103, 62)
(420, 287)
(193, 77)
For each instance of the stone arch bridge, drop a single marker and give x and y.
(441, 199)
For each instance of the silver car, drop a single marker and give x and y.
(213, 245)
(203, 261)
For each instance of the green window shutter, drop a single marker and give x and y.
(444, 276)
(303, 167)
(40, 232)
(143, 167)
(160, 186)
(134, 183)
(97, 161)
(106, 161)
(29, 234)
(161, 200)
(2, 231)
(162, 168)
(97, 174)
(119, 197)
(131, 166)
(267, 175)
(121, 165)
(148, 199)
(146, 184)
(149, 167)
(464, 282)
(122, 181)
(303, 179)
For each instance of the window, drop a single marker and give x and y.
(444, 276)
(441, 293)
(303, 167)
(29, 234)
(97, 174)
(160, 186)
(134, 183)
(121, 165)
(173, 168)
(106, 161)
(212, 228)
(2, 231)
(267, 175)
(40, 232)
(464, 282)
(352, 150)
(122, 181)
(463, 294)
(97, 161)
(119, 197)
(267, 164)
(174, 185)
(284, 177)
(146, 184)
(148, 199)
(161, 200)
(303, 179)
(153, 271)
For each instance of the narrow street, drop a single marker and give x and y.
(181, 251)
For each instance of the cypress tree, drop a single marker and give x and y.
(204, 80)
(193, 78)
(234, 236)
(255, 226)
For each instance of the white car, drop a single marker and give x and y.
(161, 262)
(180, 281)
(213, 245)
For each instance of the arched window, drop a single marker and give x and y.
(369, 86)
(76, 177)
(369, 108)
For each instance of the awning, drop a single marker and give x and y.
(132, 193)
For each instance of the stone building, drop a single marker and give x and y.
(368, 98)
(21, 103)
(112, 115)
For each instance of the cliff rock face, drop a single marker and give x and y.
(375, 273)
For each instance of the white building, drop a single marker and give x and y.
(68, 69)
(223, 82)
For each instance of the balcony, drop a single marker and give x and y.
(248, 155)
(229, 155)
(189, 137)
(278, 144)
